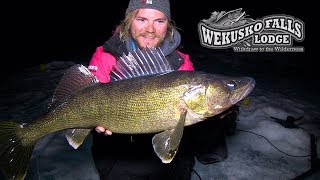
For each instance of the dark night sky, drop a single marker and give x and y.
(36, 32)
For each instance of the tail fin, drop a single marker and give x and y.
(14, 156)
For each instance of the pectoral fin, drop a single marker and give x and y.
(75, 137)
(166, 143)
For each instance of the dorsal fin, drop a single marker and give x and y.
(76, 78)
(141, 63)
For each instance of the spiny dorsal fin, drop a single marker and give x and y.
(76, 78)
(141, 63)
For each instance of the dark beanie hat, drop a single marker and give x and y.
(160, 5)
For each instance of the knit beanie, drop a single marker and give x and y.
(160, 5)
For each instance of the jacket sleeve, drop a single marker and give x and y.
(101, 64)
(187, 64)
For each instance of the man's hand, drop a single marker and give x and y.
(101, 129)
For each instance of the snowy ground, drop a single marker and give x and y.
(281, 91)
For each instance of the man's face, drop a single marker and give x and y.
(149, 28)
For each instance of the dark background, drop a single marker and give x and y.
(38, 32)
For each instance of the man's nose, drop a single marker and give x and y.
(150, 27)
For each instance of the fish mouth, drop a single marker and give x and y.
(245, 90)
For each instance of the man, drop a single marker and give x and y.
(147, 24)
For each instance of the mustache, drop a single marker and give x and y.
(148, 34)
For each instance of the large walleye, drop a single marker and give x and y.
(146, 96)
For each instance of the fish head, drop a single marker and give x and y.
(222, 92)
(211, 94)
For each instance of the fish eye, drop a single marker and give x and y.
(231, 85)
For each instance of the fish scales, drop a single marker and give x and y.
(139, 105)
(143, 105)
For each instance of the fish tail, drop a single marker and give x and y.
(14, 155)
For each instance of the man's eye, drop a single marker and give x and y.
(141, 20)
(160, 21)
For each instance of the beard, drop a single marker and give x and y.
(142, 45)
